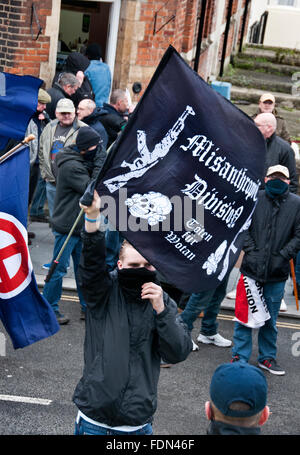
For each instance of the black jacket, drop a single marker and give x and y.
(279, 151)
(273, 238)
(77, 62)
(124, 343)
(56, 92)
(112, 121)
(73, 176)
(93, 120)
(222, 428)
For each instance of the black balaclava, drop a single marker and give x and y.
(132, 279)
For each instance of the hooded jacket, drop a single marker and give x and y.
(73, 176)
(72, 179)
(273, 238)
(124, 343)
(78, 62)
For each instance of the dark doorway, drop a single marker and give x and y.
(82, 23)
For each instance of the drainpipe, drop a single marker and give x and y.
(244, 24)
(226, 36)
(200, 33)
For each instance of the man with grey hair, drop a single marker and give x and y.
(89, 113)
(65, 87)
(278, 150)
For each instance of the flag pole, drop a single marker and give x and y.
(294, 283)
(56, 261)
(26, 140)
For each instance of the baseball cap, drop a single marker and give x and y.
(267, 97)
(43, 96)
(65, 105)
(238, 381)
(280, 169)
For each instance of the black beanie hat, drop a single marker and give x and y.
(87, 137)
(93, 51)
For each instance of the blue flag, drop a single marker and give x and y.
(18, 102)
(184, 177)
(25, 314)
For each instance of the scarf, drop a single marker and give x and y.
(276, 188)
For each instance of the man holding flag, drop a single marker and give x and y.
(193, 157)
(130, 325)
(25, 314)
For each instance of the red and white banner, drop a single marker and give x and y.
(15, 263)
(250, 305)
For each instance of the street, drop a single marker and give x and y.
(41, 379)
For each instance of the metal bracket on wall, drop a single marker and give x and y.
(167, 21)
(35, 16)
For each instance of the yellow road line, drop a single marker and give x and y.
(225, 317)
(70, 298)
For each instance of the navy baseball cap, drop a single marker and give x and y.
(238, 381)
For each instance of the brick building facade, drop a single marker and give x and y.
(145, 29)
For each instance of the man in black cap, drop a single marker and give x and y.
(98, 74)
(238, 400)
(75, 166)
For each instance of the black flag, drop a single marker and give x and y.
(182, 181)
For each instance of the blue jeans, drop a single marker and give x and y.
(53, 289)
(50, 191)
(267, 334)
(84, 427)
(39, 199)
(209, 302)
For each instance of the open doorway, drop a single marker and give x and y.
(83, 22)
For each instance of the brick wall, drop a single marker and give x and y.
(19, 52)
(146, 29)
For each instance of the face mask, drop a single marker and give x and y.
(90, 155)
(276, 187)
(134, 278)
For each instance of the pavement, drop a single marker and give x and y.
(41, 251)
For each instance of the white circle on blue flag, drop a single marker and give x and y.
(15, 262)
